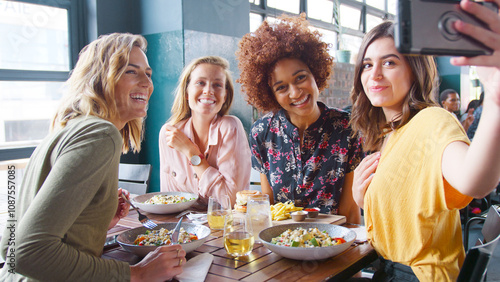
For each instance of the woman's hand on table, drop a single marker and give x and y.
(162, 264)
(363, 175)
(123, 208)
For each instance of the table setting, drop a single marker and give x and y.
(235, 245)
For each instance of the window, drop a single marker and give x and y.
(356, 16)
(255, 21)
(35, 60)
(321, 10)
(379, 4)
(392, 6)
(372, 21)
(291, 6)
(350, 17)
(330, 38)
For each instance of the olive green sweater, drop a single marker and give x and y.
(64, 206)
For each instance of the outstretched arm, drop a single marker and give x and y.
(475, 170)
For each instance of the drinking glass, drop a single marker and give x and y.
(258, 214)
(238, 239)
(217, 212)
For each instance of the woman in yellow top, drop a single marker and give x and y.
(424, 168)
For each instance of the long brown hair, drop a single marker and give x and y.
(368, 121)
(90, 90)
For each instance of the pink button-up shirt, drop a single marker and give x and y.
(228, 155)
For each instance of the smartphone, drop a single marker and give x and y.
(426, 27)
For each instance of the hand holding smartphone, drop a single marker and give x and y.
(426, 27)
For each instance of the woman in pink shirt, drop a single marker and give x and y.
(202, 149)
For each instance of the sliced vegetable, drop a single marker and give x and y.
(314, 242)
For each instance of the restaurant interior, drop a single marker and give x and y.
(42, 39)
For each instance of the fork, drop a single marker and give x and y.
(148, 223)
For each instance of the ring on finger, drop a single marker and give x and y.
(180, 262)
(178, 251)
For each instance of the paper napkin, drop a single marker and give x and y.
(198, 218)
(196, 269)
(360, 234)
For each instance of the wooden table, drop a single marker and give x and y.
(261, 264)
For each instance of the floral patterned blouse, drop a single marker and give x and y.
(313, 174)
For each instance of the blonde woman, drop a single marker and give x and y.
(202, 149)
(69, 196)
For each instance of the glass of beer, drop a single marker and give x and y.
(238, 239)
(218, 211)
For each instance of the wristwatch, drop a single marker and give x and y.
(196, 160)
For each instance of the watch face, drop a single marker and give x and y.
(195, 160)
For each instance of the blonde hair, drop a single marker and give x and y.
(90, 89)
(180, 108)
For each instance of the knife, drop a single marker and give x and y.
(175, 234)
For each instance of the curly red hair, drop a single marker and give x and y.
(289, 37)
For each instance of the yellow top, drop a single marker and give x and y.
(411, 212)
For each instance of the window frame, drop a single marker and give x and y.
(263, 10)
(77, 39)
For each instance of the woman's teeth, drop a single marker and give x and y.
(207, 101)
(301, 101)
(139, 97)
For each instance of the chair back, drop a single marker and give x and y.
(476, 262)
(478, 257)
(134, 177)
(491, 227)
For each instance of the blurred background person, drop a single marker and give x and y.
(468, 117)
(450, 101)
(471, 131)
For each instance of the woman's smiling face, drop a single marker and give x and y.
(295, 89)
(206, 90)
(386, 77)
(133, 89)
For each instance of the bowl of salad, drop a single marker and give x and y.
(141, 240)
(165, 202)
(307, 241)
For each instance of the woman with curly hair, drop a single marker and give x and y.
(302, 148)
(424, 169)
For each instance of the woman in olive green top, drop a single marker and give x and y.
(69, 197)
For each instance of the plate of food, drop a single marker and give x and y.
(141, 240)
(165, 202)
(307, 241)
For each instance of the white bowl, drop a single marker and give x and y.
(127, 238)
(300, 253)
(139, 201)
